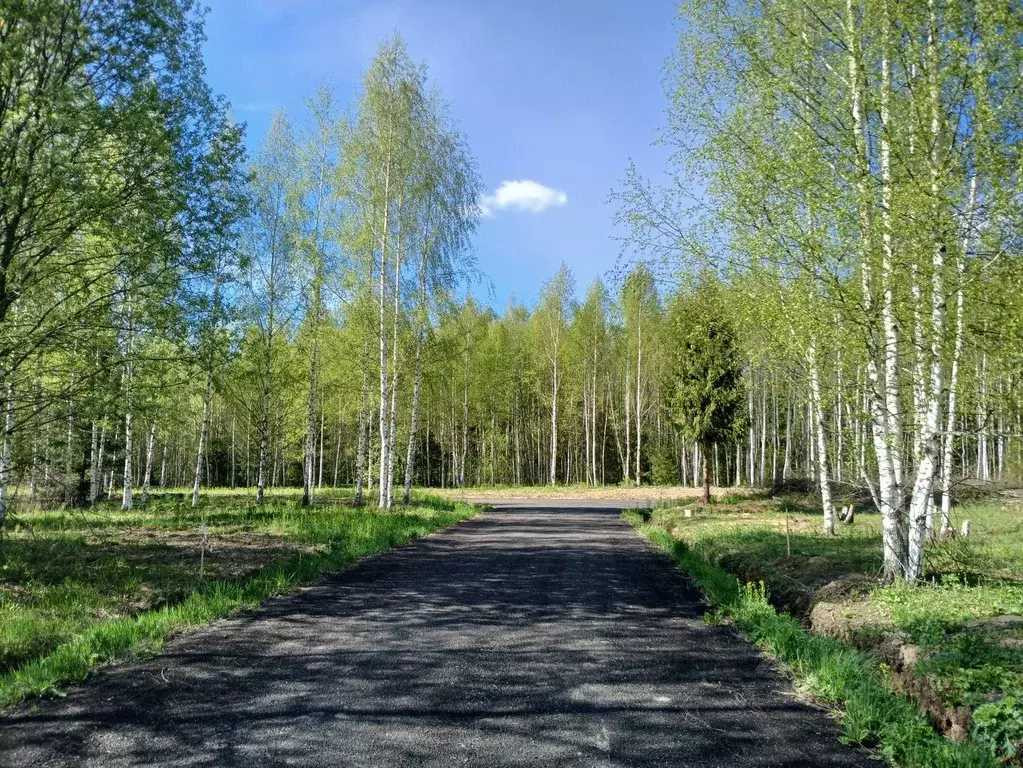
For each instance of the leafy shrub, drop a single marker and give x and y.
(999, 726)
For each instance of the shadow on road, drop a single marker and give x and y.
(529, 636)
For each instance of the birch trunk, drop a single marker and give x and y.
(593, 418)
(5, 455)
(264, 441)
(308, 458)
(948, 441)
(823, 472)
(147, 475)
(416, 386)
(127, 500)
(98, 435)
(705, 462)
(465, 420)
(34, 467)
(360, 454)
(392, 429)
(204, 427)
(882, 394)
(787, 465)
(384, 400)
(752, 434)
(639, 399)
(628, 426)
(319, 477)
(554, 420)
(921, 501)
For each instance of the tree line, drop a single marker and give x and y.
(826, 288)
(852, 168)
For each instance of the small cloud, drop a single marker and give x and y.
(522, 195)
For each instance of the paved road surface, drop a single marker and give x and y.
(529, 637)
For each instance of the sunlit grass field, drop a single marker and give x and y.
(82, 587)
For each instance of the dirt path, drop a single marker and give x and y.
(531, 636)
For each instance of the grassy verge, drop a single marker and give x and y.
(80, 589)
(711, 542)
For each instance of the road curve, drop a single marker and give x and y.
(540, 634)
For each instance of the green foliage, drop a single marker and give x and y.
(969, 660)
(832, 672)
(663, 467)
(706, 384)
(999, 725)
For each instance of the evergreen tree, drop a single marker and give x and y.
(707, 386)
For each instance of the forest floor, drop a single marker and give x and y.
(954, 644)
(82, 587)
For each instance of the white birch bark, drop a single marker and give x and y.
(880, 392)
(384, 400)
(628, 433)
(5, 454)
(823, 472)
(127, 500)
(204, 427)
(465, 418)
(393, 420)
(948, 439)
(406, 495)
(929, 443)
(95, 461)
(593, 416)
(319, 476)
(639, 397)
(147, 475)
(554, 409)
(362, 448)
(264, 441)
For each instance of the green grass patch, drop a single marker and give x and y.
(833, 672)
(81, 589)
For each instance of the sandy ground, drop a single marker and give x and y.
(611, 492)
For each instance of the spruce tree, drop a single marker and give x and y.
(707, 387)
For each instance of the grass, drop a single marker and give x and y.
(80, 589)
(842, 625)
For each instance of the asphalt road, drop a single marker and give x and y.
(530, 636)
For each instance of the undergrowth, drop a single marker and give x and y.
(831, 672)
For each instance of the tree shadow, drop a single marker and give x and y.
(553, 637)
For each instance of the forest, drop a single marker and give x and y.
(843, 206)
(232, 363)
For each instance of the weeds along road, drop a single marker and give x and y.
(542, 633)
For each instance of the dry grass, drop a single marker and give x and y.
(659, 493)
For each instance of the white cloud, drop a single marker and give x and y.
(522, 195)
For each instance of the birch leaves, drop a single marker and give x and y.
(860, 153)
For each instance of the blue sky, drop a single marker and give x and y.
(560, 93)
